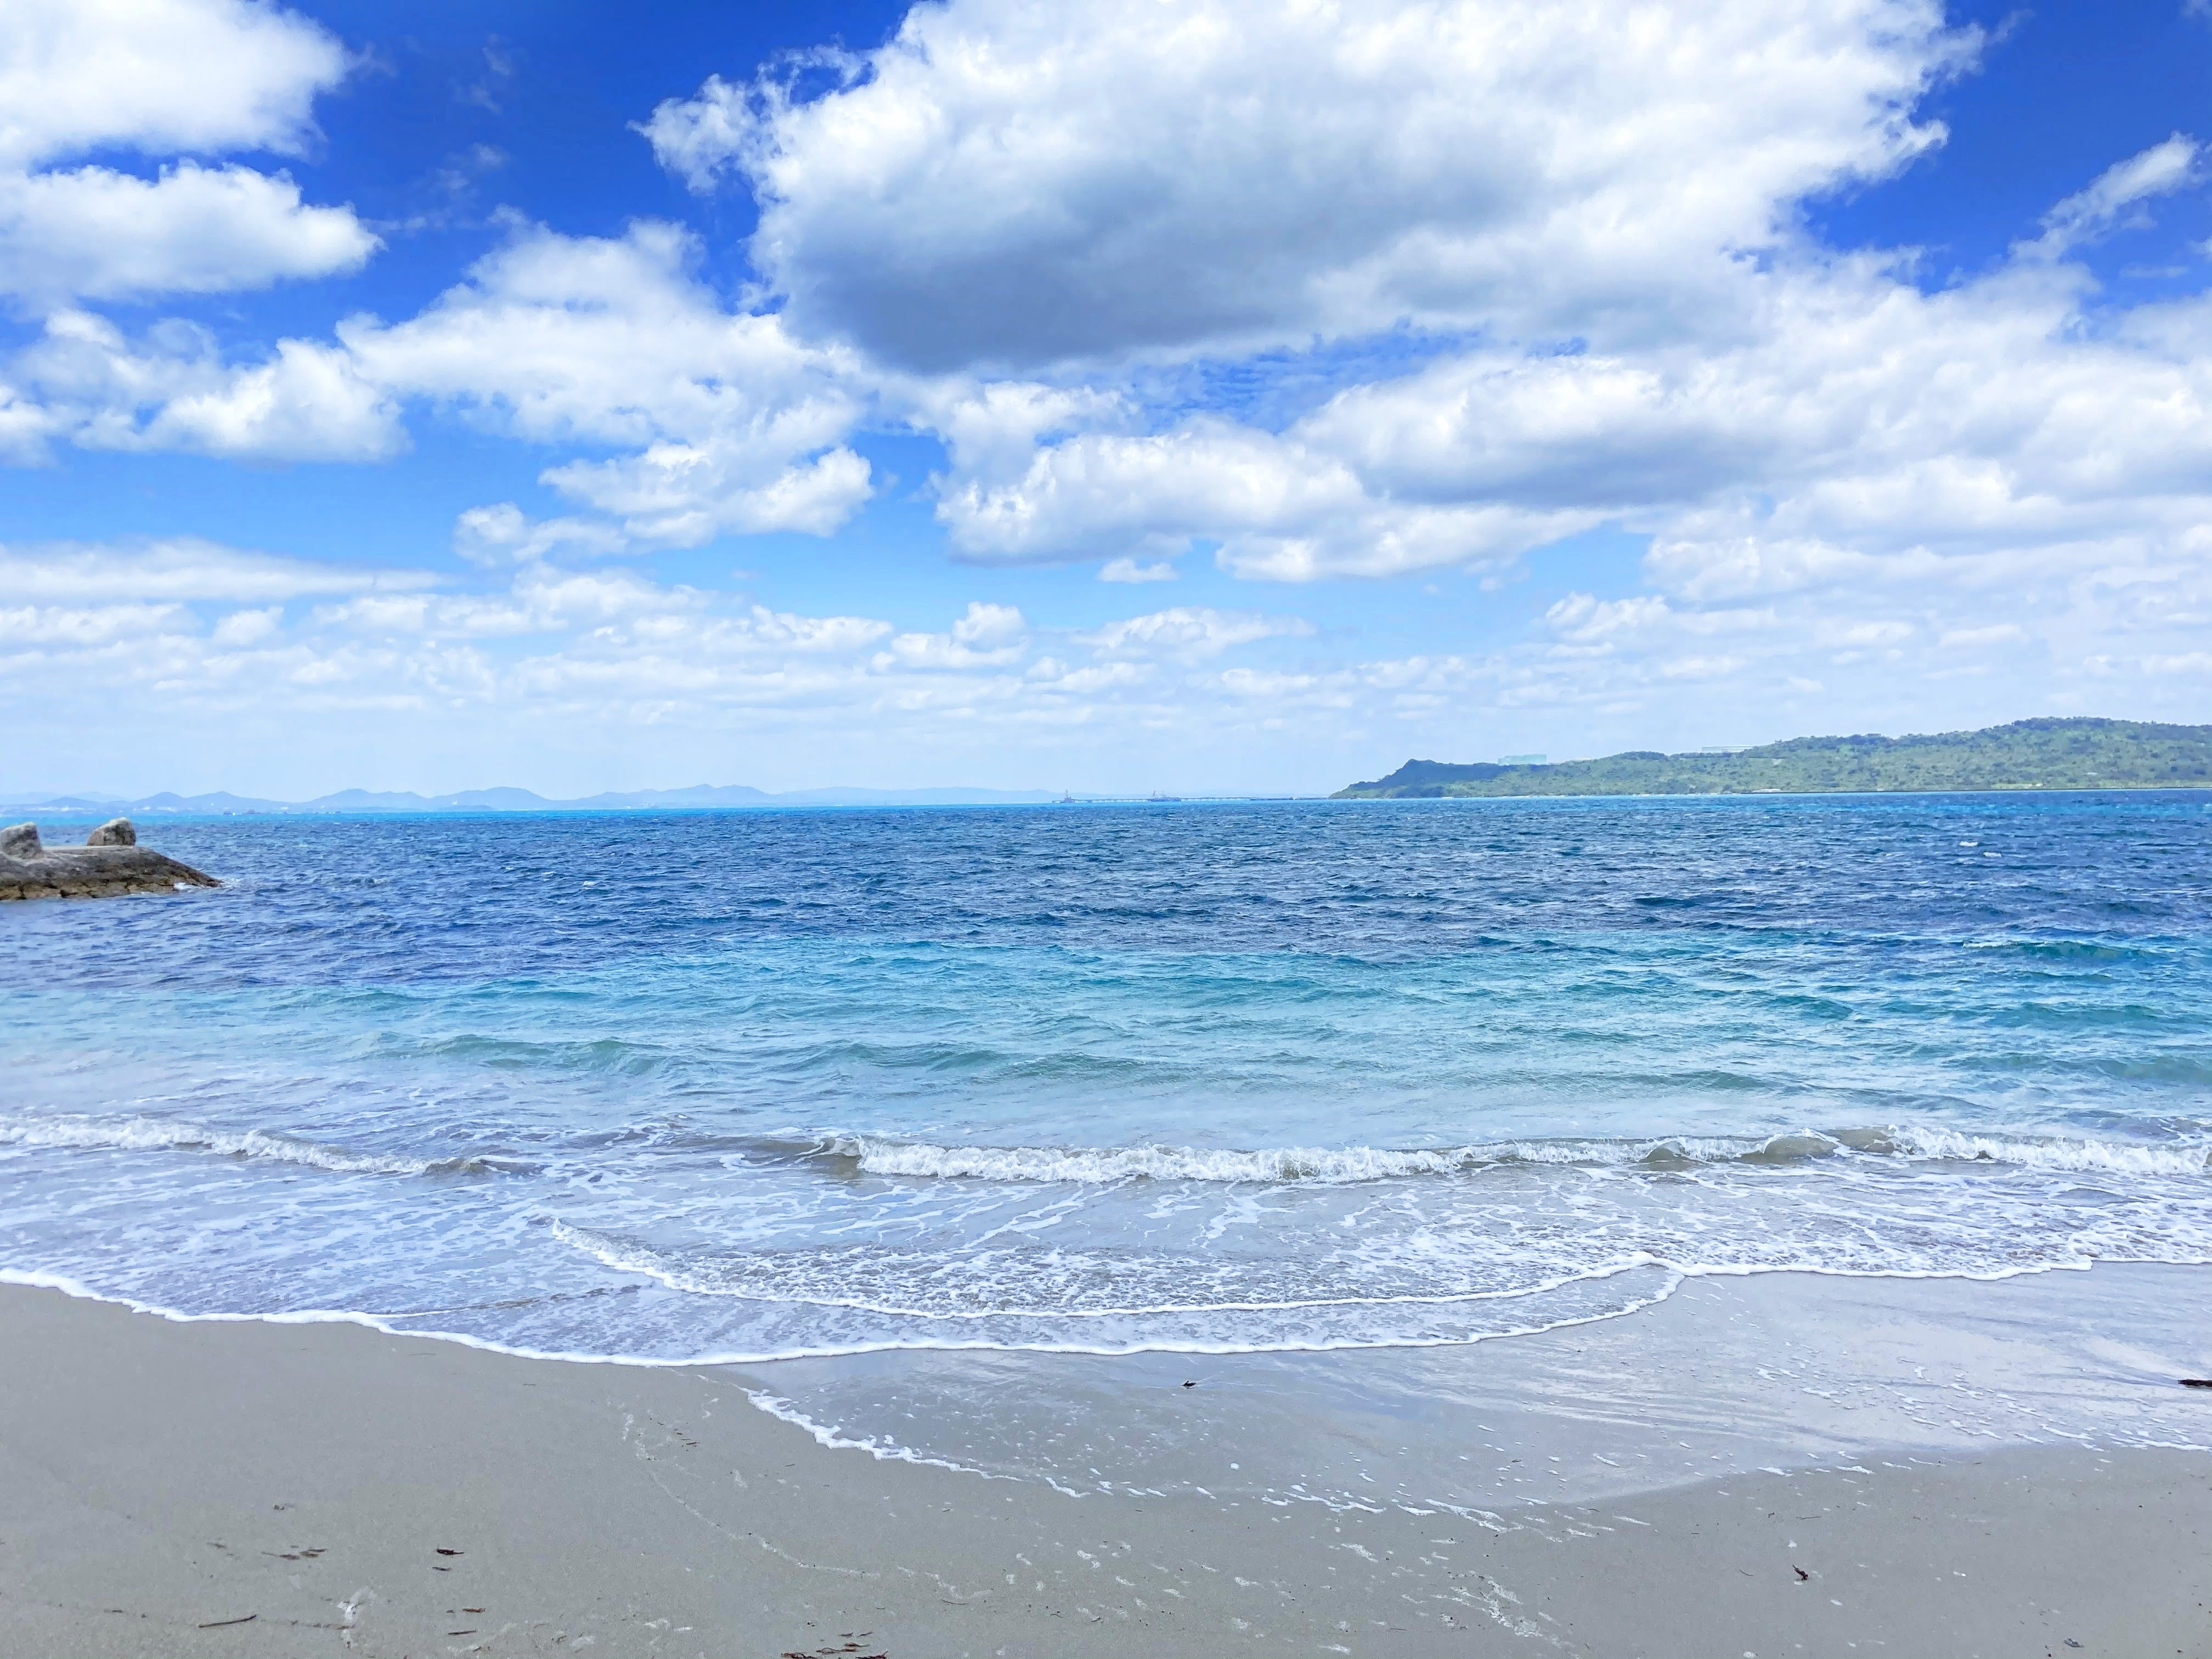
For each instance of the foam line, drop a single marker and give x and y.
(165, 1134)
(1095, 1165)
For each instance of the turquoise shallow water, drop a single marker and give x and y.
(1175, 1080)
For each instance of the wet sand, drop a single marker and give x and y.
(245, 1488)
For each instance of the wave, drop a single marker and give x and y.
(2057, 1153)
(167, 1134)
(1094, 1165)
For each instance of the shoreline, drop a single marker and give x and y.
(247, 1487)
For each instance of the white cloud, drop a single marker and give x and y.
(306, 403)
(1189, 633)
(987, 627)
(1130, 570)
(1279, 508)
(167, 78)
(504, 534)
(2159, 171)
(541, 600)
(171, 390)
(613, 341)
(600, 339)
(159, 76)
(1841, 423)
(97, 233)
(984, 637)
(1008, 184)
(539, 632)
(99, 625)
(682, 494)
(607, 341)
(181, 568)
(244, 628)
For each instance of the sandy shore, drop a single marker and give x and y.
(229, 1488)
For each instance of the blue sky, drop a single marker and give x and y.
(1208, 396)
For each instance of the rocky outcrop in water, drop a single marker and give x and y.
(111, 861)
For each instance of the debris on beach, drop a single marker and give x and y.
(110, 862)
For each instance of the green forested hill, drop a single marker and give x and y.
(2040, 754)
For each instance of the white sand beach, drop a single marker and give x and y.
(241, 1488)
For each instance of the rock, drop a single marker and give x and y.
(110, 862)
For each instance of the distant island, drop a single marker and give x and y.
(2037, 754)
(704, 796)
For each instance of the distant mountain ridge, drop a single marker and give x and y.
(2033, 754)
(699, 796)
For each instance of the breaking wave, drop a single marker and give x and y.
(138, 1134)
(1095, 1165)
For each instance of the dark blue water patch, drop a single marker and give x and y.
(2076, 879)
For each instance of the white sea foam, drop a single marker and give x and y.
(884, 1450)
(170, 1134)
(1100, 1165)
(2054, 1152)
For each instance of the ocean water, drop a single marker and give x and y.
(1163, 1082)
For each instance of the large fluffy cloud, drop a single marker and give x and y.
(1585, 223)
(1841, 404)
(730, 425)
(99, 234)
(162, 75)
(720, 422)
(1006, 184)
(165, 78)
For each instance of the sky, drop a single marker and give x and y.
(1195, 396)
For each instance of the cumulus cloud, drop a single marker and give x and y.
(732, 426)
(97, 233)
(1278, 508)
(681, 495)
(737, 428)
(167, 78)
(1127, 569)
(504, 534)
(1596, 213)
(986, 636)
(161, 76)
(1189, 633)
(172, 389)
(1008, 184)
(1838, 424)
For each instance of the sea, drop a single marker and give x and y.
(1441, 1153)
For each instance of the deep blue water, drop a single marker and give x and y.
(1205, 1078)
